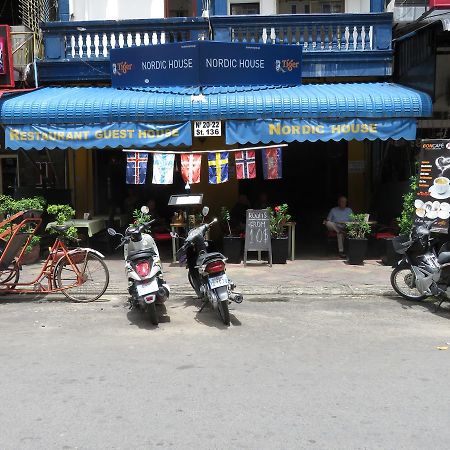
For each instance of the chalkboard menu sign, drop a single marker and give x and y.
(432, 202)
(257, 232)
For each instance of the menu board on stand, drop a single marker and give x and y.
(432, 203)
(257, 233)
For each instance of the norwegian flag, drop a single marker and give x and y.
(136, 167)
(245, 164)
(190, 167)
(272, 163)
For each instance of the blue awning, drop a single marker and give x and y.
(106, 105)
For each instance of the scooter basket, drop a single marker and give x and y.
(401, 244)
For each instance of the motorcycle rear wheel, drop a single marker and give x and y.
(151, 313)
(224, 312)
(403, 281)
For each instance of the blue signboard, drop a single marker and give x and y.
(117, 135)
(301, 130)
(206, 63)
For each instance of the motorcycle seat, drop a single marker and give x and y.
(141, 254)
(444, 258)
(205, 257)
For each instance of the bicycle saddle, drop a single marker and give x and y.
(59, 228)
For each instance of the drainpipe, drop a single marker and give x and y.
(63, 11)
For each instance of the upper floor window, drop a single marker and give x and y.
(310, 6)
(239, 9)
(180, 8)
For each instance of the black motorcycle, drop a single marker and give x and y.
(207, 272)
(422, 272)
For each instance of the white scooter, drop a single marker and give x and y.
(143, 268)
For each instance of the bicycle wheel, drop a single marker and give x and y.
(94, 277)
(10, 275)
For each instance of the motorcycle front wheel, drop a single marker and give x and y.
(224, 312)
(151, 313)
(403, 281)
(193, 284)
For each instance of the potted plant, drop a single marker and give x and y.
(232, 244)
(357, 231)
(279, 216)
(32, 207)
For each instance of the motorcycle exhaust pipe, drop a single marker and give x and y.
(237, 298)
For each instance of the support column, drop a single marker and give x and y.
(356, 176)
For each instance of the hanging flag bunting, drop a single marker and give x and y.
(245, 164)
(272, 163)
(218, 167)
(190, 167)
(163, 168)
(136, 167)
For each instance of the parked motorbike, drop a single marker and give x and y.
(207, 271)
(143, 268)
(422, 272)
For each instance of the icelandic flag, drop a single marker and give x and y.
(136, 167)
(218, 167)
(163, 164)
(190, 167)
(272, 163)
(245, 164)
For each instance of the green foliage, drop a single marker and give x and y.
(62, 214)
(141, 217)
(358, 228)
(406, 219)
(278, 218)
(225, 215)
(8, 205)
(35, 240)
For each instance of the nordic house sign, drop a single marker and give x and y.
(206, 63)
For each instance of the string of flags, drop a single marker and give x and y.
(218, 166)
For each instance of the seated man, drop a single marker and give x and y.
(337, 217)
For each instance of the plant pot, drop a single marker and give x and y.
(390, 256)
(357, 249)
(32, 256)
(280, 250)
(232, 249)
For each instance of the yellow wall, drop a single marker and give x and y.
(214, 195)
(81, 180)
(357, 168)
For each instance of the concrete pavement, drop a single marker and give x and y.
(293, 372)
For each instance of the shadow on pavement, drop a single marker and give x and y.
(208, 316)
(429, 304)
(138, 318)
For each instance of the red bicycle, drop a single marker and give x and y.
(80, 274)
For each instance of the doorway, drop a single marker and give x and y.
(8, 174)
(180, 8)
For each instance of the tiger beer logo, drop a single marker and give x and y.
(121, 68)
(283, 65)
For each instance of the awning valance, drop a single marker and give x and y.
(302, 130)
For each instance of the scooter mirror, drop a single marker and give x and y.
(144, 209)
(205, 211)
(112, 231)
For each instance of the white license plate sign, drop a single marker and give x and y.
(145, 289)
(204, 128)
(215, 282)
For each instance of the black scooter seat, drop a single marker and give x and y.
(141, 254)
(444, 258)
(205, 257)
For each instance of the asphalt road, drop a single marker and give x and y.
(290, 373)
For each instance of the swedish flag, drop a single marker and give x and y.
(218, 167)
